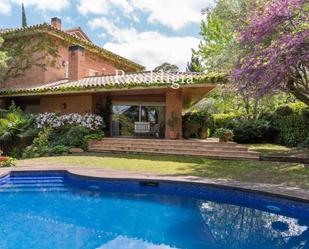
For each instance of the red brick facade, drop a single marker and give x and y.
(77, 62)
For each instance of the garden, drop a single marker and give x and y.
(28, 135)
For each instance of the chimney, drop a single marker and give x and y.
(77, 62)
(56, 22)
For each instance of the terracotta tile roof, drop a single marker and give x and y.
(131, 80)
(78, 32)
(69, 35)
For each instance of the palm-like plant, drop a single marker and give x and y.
(16, 130)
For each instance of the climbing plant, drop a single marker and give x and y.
(24, 52)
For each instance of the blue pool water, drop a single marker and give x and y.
(41, 210)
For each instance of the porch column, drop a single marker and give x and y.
(173, 103)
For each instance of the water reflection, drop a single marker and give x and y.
(122, 242)
(236, 227)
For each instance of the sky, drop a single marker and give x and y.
(149, 32)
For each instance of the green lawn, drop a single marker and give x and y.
(270, 148)
(291, 174)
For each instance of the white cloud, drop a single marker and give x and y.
(122, 35)
(5, 7)
(149, 48)
(103, 6)
(153, 52)
(172, 13)
(44, 5)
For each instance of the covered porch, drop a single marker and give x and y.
(128, 113)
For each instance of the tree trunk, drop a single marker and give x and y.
(300, 95)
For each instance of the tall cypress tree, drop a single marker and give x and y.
(24, 18)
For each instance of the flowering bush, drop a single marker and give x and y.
(53, 120)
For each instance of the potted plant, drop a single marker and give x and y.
(224, 135)
(205, 120)
(172, 123)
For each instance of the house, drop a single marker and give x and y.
(63, 71)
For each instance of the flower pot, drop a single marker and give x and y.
(173, 134)
(203, 134)
(4, 158)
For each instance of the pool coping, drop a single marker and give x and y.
(272, 190)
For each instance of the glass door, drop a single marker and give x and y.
(125, 116)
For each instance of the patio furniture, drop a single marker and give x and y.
(142, 128)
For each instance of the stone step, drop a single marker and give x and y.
(174, 150)
(216, 155)
(167, 147)
(164, 142)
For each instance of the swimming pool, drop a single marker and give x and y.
(57, 209)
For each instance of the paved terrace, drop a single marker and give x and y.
(276, 190)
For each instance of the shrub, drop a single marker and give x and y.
(53, 120)
(59, 150)
(42, 140)
(284, 111)
(293, 129)
(224, 135)
(224, 121)
(17, 130)
(189, 125)
(197, 122)
(252, 131)
(75, 136)
(33, 151)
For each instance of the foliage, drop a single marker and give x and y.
(60, 139)
(8, 163)
(17, 130)
(28, 51)
(287, 125)
(280, 56)
(218, 48)
(172, 121)
(53, 120)
(189, 125)
(195, 64)
(204, 119)
(293, 125)
(24, 18)
(167, 67)
(252, 131)
(42, 139)
(46, 29)
(224, 135)
(196, 122)
(59, 150)
(3, 62)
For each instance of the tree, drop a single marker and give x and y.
(24, 18)
(278, 36)
(195, 64)
(3, 65)
(167, 67)
(219, 49)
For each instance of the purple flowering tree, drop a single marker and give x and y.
(277, 35)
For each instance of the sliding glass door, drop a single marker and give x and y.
(126, 115)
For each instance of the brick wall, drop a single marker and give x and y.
(36, 75)
(81, 104)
